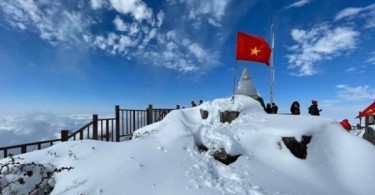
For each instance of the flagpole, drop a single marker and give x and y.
(234, 76)
(272, 76)
(235, 67)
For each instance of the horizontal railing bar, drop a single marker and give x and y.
(30, 144)
(79, 130)
(103, 119)
(131, 110)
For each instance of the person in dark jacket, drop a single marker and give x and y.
(294, 108)
(268, 109)
(313, 109)
(274, 108)
(193, 104)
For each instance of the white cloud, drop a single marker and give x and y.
(372, 58)
(367, 13)
(136, 32)
(160, 18)
(355, 93)
(51, 22)
(351, 11)
(119, 24)
(211, 10)
(299, 3)
(213, 22)
(36, 126)
(124, 42)
(317, 44)
(136, 8)
(356, 70)
(134, 28)
(199, 53)
(177, 52)
(97, 4)
(112, 43)
(351, 69)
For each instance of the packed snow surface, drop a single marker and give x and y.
(164, 158)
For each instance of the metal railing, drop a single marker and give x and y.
(116, 129)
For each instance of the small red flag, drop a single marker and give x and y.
(252, 48)
(368, 111)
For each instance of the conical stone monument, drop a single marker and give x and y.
(246, 87)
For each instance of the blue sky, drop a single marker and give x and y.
(77, 56)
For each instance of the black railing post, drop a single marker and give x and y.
(64, 135)
(23, 149)
(134, 125)
(95, 127)
(117, 122)
(149, 114)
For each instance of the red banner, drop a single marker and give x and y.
(368, 111)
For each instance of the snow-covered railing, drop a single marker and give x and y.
(116, 129)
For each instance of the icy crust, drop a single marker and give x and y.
(165, 158)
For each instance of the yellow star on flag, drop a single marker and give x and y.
(255, 51)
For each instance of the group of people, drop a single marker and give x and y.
(295, 108)
(271, 108)
(313, 109)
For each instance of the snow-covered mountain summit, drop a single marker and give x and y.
(176, 156)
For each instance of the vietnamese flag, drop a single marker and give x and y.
(368, 111)
(252, 48)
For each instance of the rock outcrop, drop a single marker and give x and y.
(298, 149)
(369, 135)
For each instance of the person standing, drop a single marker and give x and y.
(294, 108)
(274, 108)
(268, 109)
(193, 104)
(313, 109)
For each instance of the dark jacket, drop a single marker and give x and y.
(275, 108)
(294, 108)
(314, 110)
(268, 109)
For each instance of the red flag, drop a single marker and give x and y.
(368, 111)
(252, 48)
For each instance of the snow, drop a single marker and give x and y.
(164, 157)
